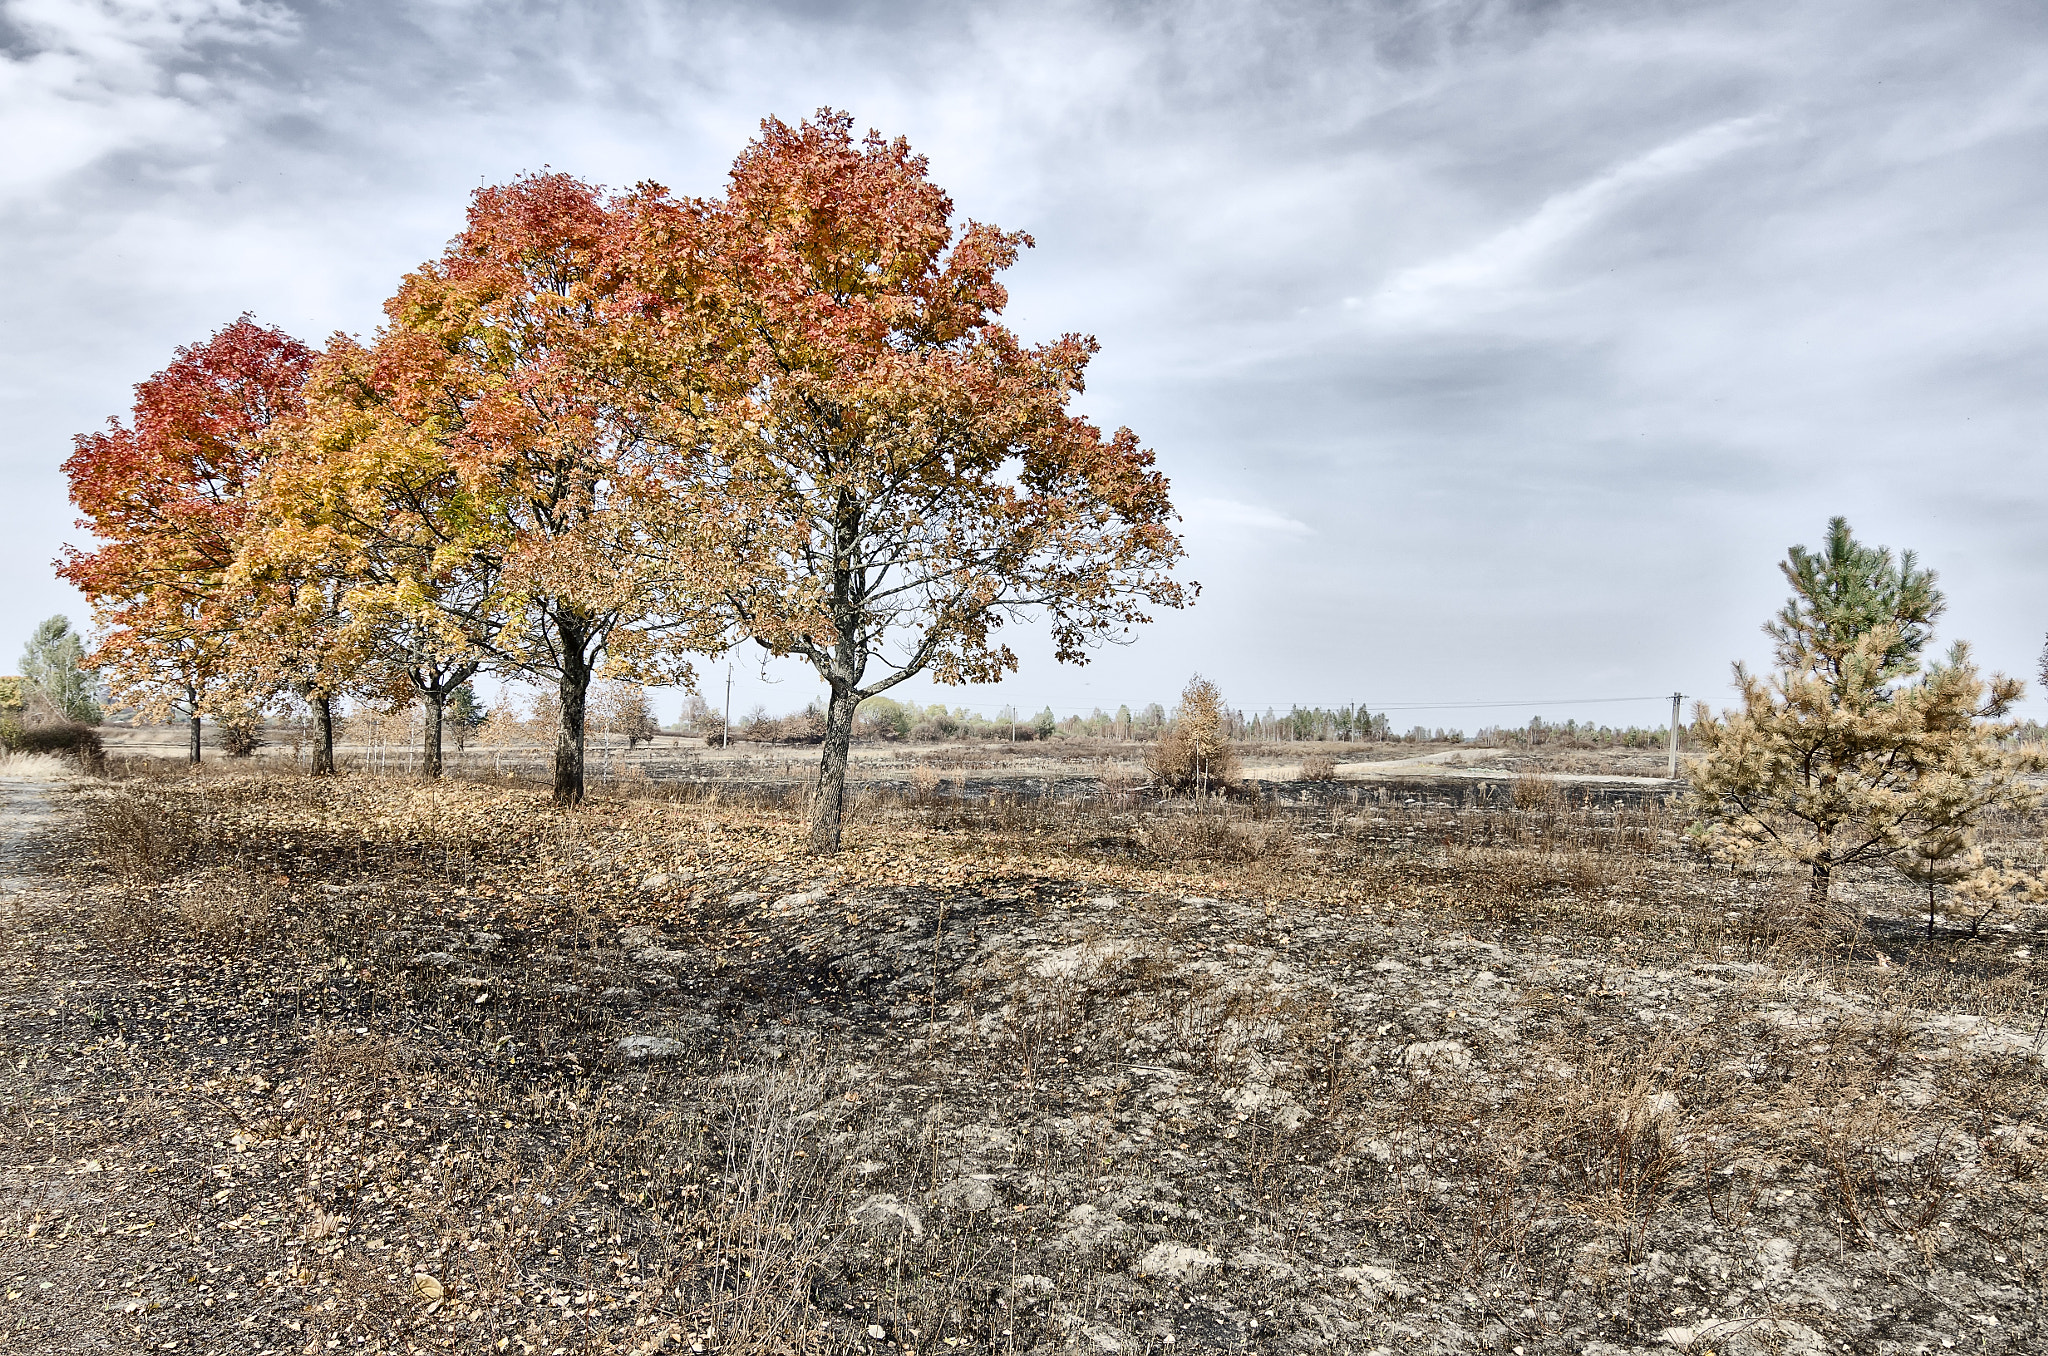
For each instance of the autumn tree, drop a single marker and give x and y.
(907, 473)
(624, 709)
(166, 498)
(1194, 753)
(526, 354)
(359, 494)
(1851, 753)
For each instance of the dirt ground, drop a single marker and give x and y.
(360, 1064)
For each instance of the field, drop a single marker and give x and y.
(1410, 1058)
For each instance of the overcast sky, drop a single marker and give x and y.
(1496, 352)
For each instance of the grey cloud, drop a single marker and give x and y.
(1553, 324)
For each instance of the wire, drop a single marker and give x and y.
(1394, 706)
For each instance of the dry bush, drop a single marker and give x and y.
(230, 907)
(1179, 762)
(34, 767)
(1318, 767)
(1217, 837)
(1538, 793)
(1192, 754)
(138, 834)
(80, 744)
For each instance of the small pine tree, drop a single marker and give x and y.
(1850, 754)
(465, 714)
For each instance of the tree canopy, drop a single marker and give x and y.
(604, 432)
(907, 474)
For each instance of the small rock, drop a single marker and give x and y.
(657, 881)
(1174, 1262)
(1378, 1283)
(886, 1212)
(649, 1047)
(744, 897)
(972, 1194)
(1438, 1054)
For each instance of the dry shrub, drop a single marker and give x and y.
(1319, 767)
(80, 744)
(240, 738)
(230, 907)
(1179, 761)
(341, 1061)
(1192, 754)
(1505, 881)
(781, 1207)
(135, 834)
(1217, 837)
(34, 767)
(1538, 793)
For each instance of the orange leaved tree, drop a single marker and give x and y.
(360, 495)
(905, 472)
(166, 497)
(516, 352)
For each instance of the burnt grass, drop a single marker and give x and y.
(358, 1064)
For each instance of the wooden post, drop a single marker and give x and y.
(1676, 698)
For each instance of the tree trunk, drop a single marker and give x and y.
(826, 818)
(193, 755)
(1817, 890)
(323, 735)
(430, 755)
(575, 693)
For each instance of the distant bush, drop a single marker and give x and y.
(240, 737)
(1192, 754)
(66, 739)
(1318, 767)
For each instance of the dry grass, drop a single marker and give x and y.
(36, 767)
(1515, 1070)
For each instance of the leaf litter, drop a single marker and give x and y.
(296, 1065)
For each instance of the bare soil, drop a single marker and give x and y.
(359, 1064)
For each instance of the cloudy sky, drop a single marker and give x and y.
(1496, 351)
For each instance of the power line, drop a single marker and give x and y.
(1387, 706)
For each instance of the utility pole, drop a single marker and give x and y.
(725, 730)
(1676, 698)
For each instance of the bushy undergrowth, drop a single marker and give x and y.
(78, 743)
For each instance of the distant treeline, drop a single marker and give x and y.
(886, 719)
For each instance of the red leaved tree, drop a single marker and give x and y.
(166, 497)
(904, 472)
